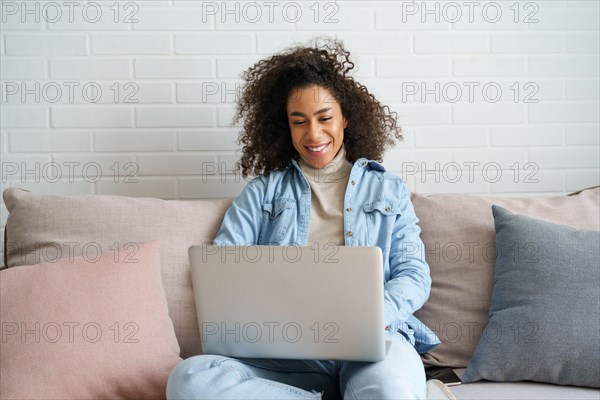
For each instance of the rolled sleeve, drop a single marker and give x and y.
(243, 220)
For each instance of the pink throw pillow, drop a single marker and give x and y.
(87, 327)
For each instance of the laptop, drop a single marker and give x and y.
(290, 302)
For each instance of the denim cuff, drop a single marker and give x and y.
(389, 316)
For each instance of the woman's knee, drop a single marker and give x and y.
(400, 375)
(192, 378)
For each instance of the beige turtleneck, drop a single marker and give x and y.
(328, 187)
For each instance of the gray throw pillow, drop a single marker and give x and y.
(544, 321)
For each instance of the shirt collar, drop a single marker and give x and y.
(362, 162)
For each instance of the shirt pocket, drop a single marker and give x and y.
(381, 216)
(278, 216)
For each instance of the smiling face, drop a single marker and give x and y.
(316, 124)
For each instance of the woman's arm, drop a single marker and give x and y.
(408, 287)
(242, 222)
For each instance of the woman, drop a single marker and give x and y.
(311, 133)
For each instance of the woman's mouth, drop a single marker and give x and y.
(317, 149)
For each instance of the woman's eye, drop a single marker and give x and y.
(325, 119)
(297, 122)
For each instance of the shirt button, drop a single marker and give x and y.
(353, 182)
(349, 209)
(349, 233)
(363, 163)
(387, 209)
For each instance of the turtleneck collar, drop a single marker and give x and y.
(337, 169)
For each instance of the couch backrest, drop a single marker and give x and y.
(458, 232)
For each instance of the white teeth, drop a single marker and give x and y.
(317, 148)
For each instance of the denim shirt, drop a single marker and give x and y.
(275, 210)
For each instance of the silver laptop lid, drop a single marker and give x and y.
(289, 301)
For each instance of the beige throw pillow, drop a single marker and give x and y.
(42, 227)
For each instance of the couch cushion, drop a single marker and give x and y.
(459, 237)
(519, 391)
(83, 328)
(544, 321)
(42, 227)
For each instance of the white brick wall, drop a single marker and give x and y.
(45, 44)
(69, 68)
(143, 92)
(130, 44)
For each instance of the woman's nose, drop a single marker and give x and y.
(314, 131)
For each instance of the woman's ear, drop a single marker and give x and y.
(345, 122)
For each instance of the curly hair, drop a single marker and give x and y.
(262, 104)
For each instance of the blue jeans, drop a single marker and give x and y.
(400, 376)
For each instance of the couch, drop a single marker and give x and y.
(118, 268)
